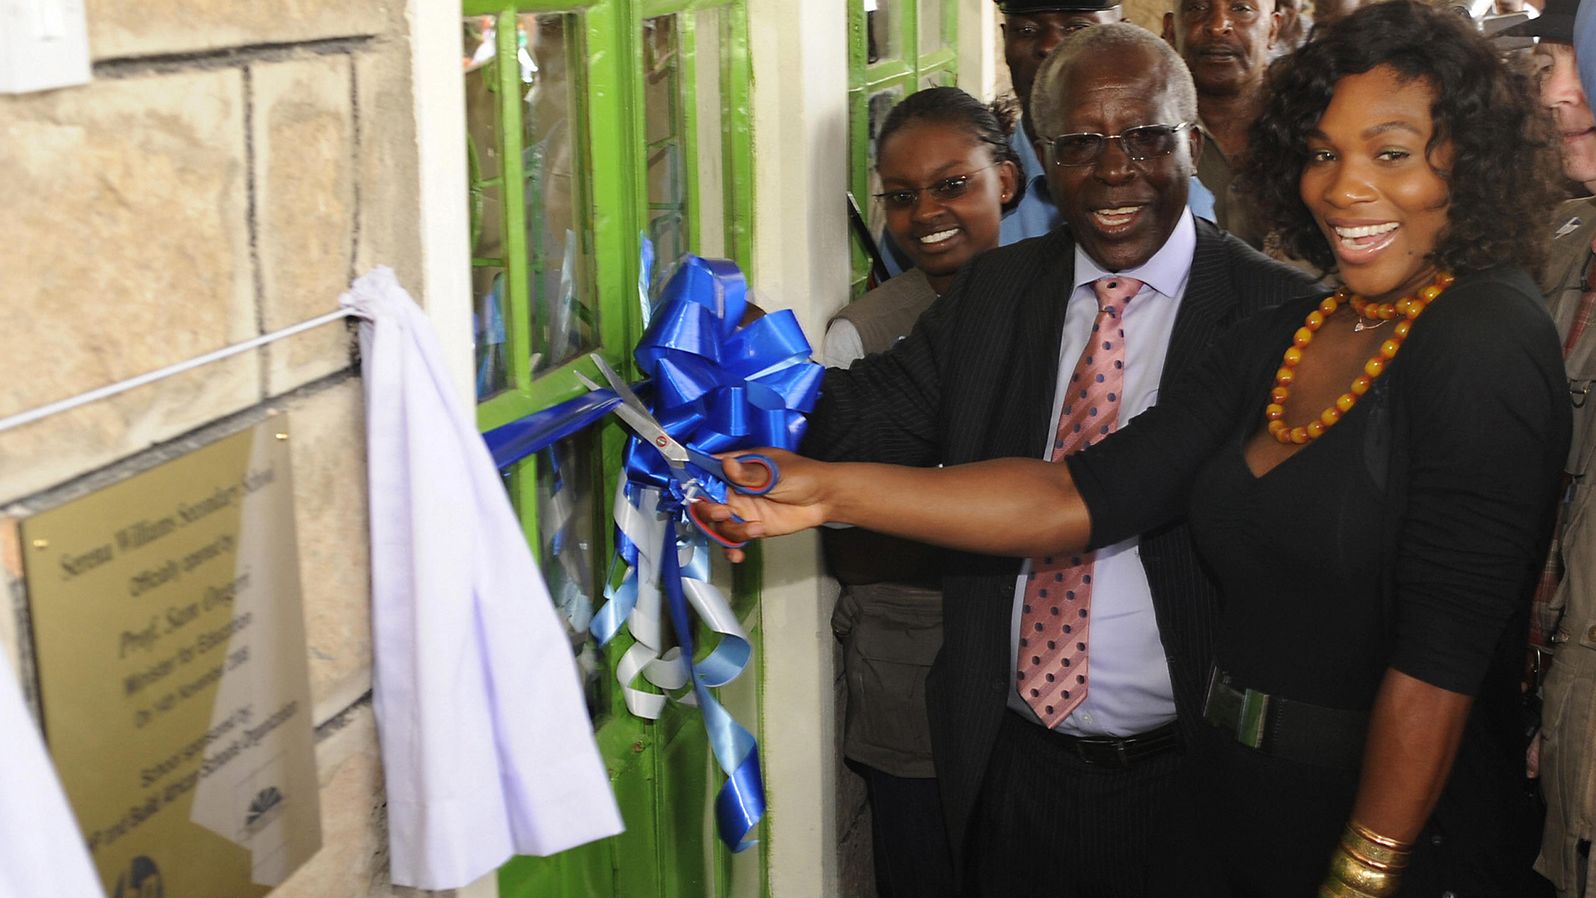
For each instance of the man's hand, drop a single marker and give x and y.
(797, 502)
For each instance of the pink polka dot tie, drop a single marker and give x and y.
(1056, 617)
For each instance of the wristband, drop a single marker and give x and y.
(1365, 864)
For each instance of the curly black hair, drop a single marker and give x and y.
(989, 124)
(1502, 180)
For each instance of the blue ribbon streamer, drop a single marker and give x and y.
(619, 597)
(740, 803)
(512, 442)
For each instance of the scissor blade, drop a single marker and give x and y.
(649, 431)
(635, 414)
(618, 383)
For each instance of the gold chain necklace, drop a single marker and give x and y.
(1407, 308)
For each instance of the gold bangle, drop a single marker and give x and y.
(1363, 879)
(1335, 888)
(1384, 841)
(1374, 849)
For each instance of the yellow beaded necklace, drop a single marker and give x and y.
(1407, 308)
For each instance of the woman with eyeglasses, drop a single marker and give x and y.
(947, 176)
(1369, 474)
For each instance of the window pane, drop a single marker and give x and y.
(881, 28)
(930, 26)
(880, 104)
(487, 209)
(711, 194)
(662, 112)
(569, 547)
(488, 330)
(563, 306)
(481, 114)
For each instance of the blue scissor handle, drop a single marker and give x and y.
(772, 474)
(713, 465)
(708, 529)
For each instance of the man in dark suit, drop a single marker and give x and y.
(1081, 804)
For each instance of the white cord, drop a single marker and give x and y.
(72, 402)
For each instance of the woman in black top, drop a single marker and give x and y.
(1369, 475)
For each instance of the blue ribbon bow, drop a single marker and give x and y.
(715, 386)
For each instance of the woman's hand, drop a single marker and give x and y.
(795, 503)
(1007, 506)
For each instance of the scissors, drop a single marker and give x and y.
(678, 456)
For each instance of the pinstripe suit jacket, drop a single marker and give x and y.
(975, 380)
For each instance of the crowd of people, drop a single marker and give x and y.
(1235, 401)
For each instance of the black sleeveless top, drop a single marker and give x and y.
(1408, 537)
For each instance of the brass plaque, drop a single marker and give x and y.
(170, 648)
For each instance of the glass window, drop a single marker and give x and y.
(487, 285)
(881, 27)
(708, 45)
(570, 547)
(881, 104)
(930, 26)
(663, 129)
(526, 151)
(563, 308)
(487, 210)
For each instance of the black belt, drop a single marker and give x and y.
(1116, 751)
(1286, 728)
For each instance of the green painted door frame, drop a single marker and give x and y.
(621, 184)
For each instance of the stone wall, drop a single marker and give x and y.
(228, 171)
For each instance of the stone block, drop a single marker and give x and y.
(304, 138)
(122, 28)
(388, 166)
(329, 463)
(124, 247)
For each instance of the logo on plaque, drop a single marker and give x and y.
(142, 881)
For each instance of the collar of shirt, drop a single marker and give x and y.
(1211, 146)
(1166, 272)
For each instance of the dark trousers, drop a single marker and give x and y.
(909, 842)
(1049, 824)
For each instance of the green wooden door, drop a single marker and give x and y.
(591, 124)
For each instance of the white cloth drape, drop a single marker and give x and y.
(42, 854)
(487, 747)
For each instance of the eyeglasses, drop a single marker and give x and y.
(946, 190)
(1140, 144)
